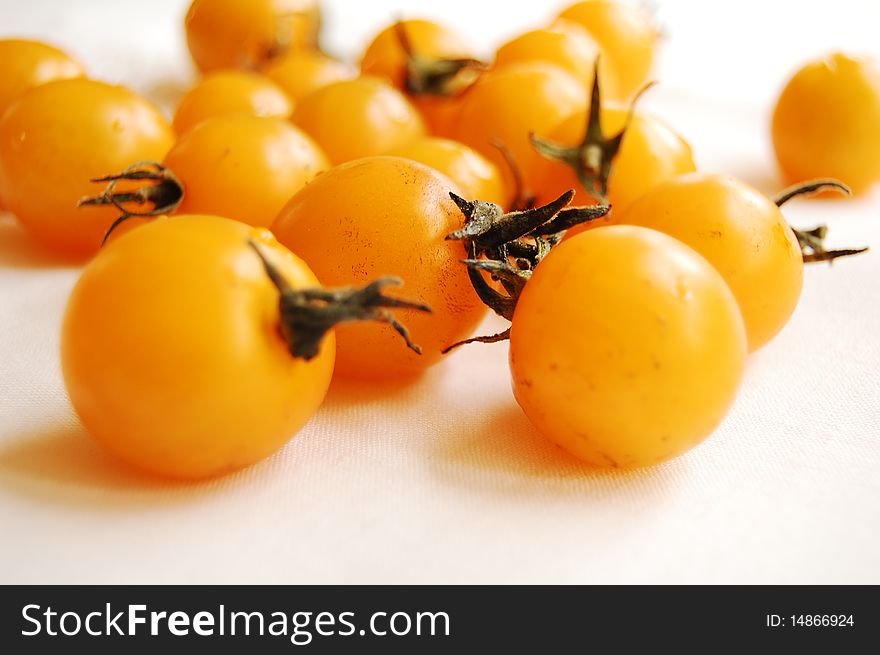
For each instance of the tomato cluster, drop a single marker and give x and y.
(200, 336)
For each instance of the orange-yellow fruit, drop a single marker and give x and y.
(827, 122)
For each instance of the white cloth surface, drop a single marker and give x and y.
(445, 481)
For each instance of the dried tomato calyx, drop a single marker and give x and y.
(491, 230)
(306, 315)
(164, 194)
(812, 242)
(593, 158)
(507, 246)
(435, 76)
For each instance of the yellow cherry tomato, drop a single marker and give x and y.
(476, 176)
(626, 347)
(429, 42)
(59, 136)
(650, 153)
(26, 64)
(172, 354)
(302, 72)
(247, 34)
(243, 167)
(508, 104)
(385, 56)
(742, 233)
(358, 118)
(827, 122)
(386, 216)
(564, 44)
(231, 92)
(627, 38)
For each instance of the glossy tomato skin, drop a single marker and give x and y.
(508, 104)
(626, 347)
(247, 34)
(231, 92)
(627, 38)
(827, 122)
(243, 167)
(59, 136)
(25, 64)
(386, 216)
(171, 352)
(742, 233)
(651, 153)
(358, 118)
(302, 72)
(477, 177)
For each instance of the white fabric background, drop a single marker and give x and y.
(445, 481)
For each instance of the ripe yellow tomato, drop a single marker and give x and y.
(827, 122)
(171, 350)
(385, 56)
(302, 72)
(564, 44)
(627, 38)
(248, 33)
(476, 176)
(742, 233)
(243, 167)
(626, 347)
(508, 104)
(26, 64)
(358, 118)
(59, 136)
(386, 216)
(231, 92)
(430, 42)
(649, 154)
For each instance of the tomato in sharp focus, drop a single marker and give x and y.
(247, 34)
(358, 118)
(300, 73)
(171, 350)
(243, 167)
(386, 216)
(26, 64)
(827, 122)
(742, 233)
(508, 104)
(231, 92)
(627, 38)
(626, 347)
(476, 176)
(59, 136)
(650, 153)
